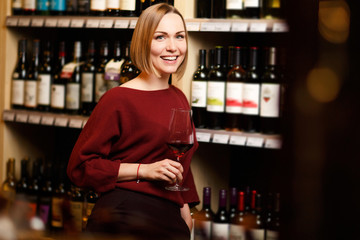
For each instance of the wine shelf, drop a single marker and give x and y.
(203, 135)
(193, 25)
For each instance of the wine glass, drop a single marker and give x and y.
(181, 138)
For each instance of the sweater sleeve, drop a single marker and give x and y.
(89, 164)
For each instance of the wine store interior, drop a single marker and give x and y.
(272, 85)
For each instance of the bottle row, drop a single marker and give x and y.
(250, 215)
(59, 85)
(240, 89)
(128, 8)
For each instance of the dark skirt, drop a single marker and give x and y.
(124, 213)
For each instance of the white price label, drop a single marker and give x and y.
(75, 123)
(203, 136)
(12, 22)
(77, 23)
(47, 120)
(193, 26)
(61, 122)
(258, 27)
(24, 22)
(273, 143)
(239, 27)
(64, 23)
(34, 118)
(21, 117)
(237, 140)
(49, 22)
(207, 27)
(216, 26)
(133, 23)
(255, 142)
(8, 116)
(280, 27)
(221, 138)
(106, 23)
(37, 22)
(92, 23)
(121, 23)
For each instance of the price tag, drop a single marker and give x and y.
(21, 117)
(61, 122)
(77, 23)
(47, 120)
(207, 27)
(280, 27)
(255, 142)
(37, 22)
(64, 23)
(193, 26)
(132, 23)
(24, 22)
(237, 140)
(106, 23)
(34, 118)
(273, 143)
(121, 23)
(258, 27)
(12, 22)
(221, 138)
(203, 136)
(51, 22)
(9, 116)
(76, 123)
(92, 23)
(239, 27)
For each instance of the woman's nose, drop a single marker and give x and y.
(171, 45)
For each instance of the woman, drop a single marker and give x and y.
(122, 152)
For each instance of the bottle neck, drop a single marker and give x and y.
(77, 51)
(241, 202)
(202, 59)
(253, 58)
(222, 199)
(206, 198)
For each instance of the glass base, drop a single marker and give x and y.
(177, 188)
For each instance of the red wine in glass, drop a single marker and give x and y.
(179, 148)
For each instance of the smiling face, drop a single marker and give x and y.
(168, 46)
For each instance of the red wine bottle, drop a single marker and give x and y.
(128, 69)
(88, 81)
(57, 102)
(198, 91)
(19, 76)
(204, 217)
(45, 79)
(113, 67)
(237, 223)
(220, 224)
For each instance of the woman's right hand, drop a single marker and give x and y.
(165, 170)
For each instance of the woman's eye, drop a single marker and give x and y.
(180, 36)
(160, 37)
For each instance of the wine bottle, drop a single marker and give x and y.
(57, 7)
(32, 77)
(58, 87)
(8, 187)
(234, 89)
(59, 200)
(90, 200)
(19, 76)
(84, 7)
(231, 58)
(233, 203)
(237, 224)
(251, 94)
(45, 195)
(42, 7)
(100, 84)
(270, 95)
(271, 9)
(22, 204)
(257, 218)
(17, 7)
(273, 220)
(204, 217)
(218, 9)
(193, 211)
(113, 67)
(211, 59)
(113, 8)
(128, 69)
(71, 72)
(128, 8)
(88, 81)
(34, 187)
(77, 208)
(252, 8)
(203, 9)
(71, 7)
(141, 5)
(98, 7)
(235, 9)
(29, 7)
(198, 91)
(45, 79)
(216, 92)
(220, 224)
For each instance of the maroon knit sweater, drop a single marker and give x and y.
(129, 126)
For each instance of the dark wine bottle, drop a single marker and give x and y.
(98, 7)
(57, 7)
(84, 7)
(43, 7)
(113, 8)
(203, 9)
(32, 77)
(58, 87)
(211, 59)
(233, 203)
(19, 76)
(59, 200)
(128, 8)
(218, 9)
(237, 223)
(128, 69)
(270, 95)
(22, 203)
(220, 225)
(235, 9)
(100, 84)
(204, 217)
(234, 90)
(256, 218)
(90, 199)
(77, 208)
(34, 187)
(29, 7)
(72, 7)
(252, 8)
(45, 196)
(273, 218)
(8, 187)
(17, 7)
(199, 90)
(251, 94)
(45, 79)
(216, 92)
(88, 81)
(113, 67)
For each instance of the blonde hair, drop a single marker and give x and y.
(143, 35)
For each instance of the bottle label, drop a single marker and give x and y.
(100, 86)
(72, 96)
(251, 95)
(270, 100)
(272, 235)
(87, 84)
(234, 97)
(202, 229)
(219, 231)
(68, 69)
(113, 4)
(42, 5)
(128, 5)
(16, 4)
(18, 88)
(257, 234)
(58, 5)
(98, 5)
(234, 4)
(77, 213)
(252, 3)
(216, 96)
(112, 70)
(56, 212)
(44, 89)
(30, 93)
(237, 232)
(58, 96)
(29, 4)
(198, 93)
